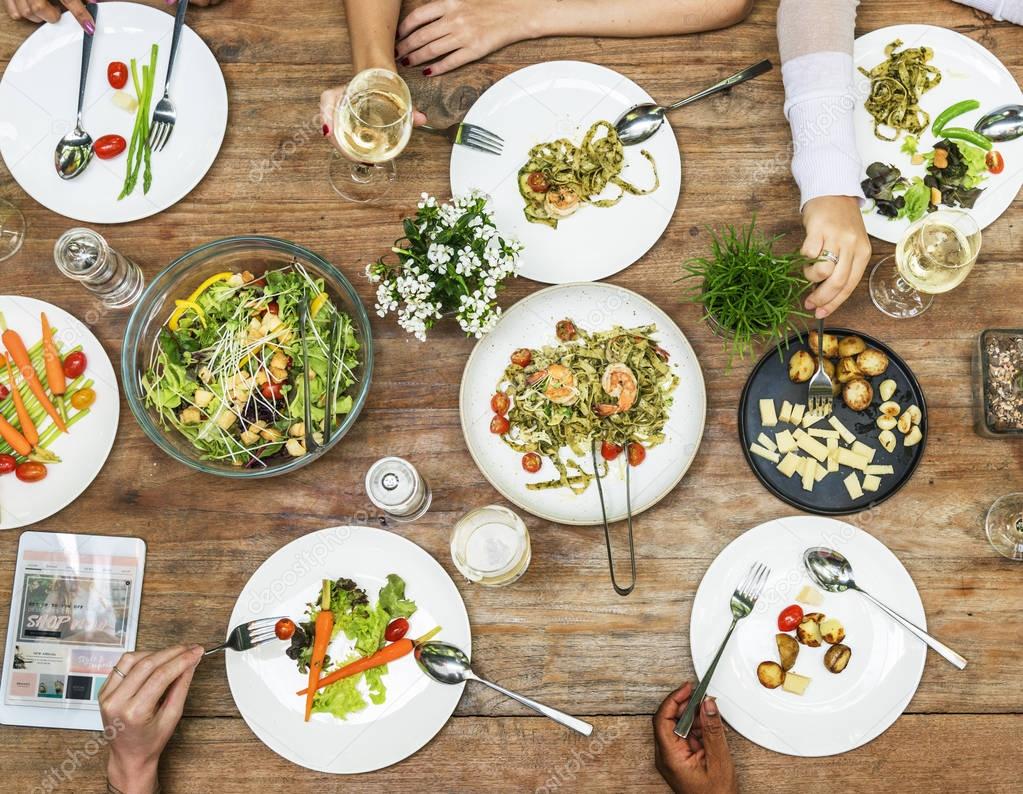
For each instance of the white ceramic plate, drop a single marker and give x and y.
(968, 71)
(561, 99)
(84, 450)
(264, 681)
(838, 712)
(530, 323)
(39, 94)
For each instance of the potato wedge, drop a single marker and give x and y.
(887, 440)
(801, 366)
(832, 372)
(788, 650)
(872, 362)
(832, 631)
(905, 422)
(887, 389)
(808, 632)
(915, 414)
(837, 657)
(886, 422)
(858, 394)
(913, 437)
(830, 345)
(889, 408)
(851, 346)
(847, 370)
(770, 674)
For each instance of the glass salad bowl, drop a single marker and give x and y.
(170, 292)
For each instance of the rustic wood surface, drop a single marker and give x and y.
(560, 633)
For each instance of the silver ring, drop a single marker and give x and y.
(114, 669)
(826, 254)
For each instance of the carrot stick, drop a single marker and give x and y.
(54, 366)
(321, 639)
(17, 441)
(388, 653)
(16, 347)
(28, 428)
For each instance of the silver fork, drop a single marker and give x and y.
(742, 602)
(470, 135)
(248, 635)
(165, 115)
(821, 395)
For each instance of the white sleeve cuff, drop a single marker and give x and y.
(1003, 10)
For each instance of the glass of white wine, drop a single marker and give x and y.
(1004, 526)
(935, 255)
(372, 124)
(12, 229)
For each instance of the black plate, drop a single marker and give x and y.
(770, 378)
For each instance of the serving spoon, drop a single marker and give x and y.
(833, 573)
(1002, 124)
(449, 665)
(640, 122)
(74, 150)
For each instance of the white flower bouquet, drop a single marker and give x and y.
(451, 260)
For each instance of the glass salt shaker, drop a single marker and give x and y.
(83, 255)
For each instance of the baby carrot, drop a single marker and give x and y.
(17, 441)
(16, 347)
(321, 639)
(28, 427)
(54, 366)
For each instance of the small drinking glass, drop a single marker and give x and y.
(1004, 526)
(372, 125)
(12, 229)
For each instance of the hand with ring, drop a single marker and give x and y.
(837, 239)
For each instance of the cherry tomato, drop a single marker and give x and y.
(83, 398)
(499, 425)
(565, 330)
(790, 617)
(4, 391)
(273, 307)
(7, 464)
(117, 74)
(522, 357)
(272, 390)
(538, 182)
(531, 462)
(74, 364)
(995, 162)
(284, 628)
(258, 282)
(109, 146)
(636, 453)
(396, 629)
(30, 471)
(610, 451)
(500, 403)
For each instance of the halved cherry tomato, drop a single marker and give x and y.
(636, 453)
(109, 146)
(531, 462)
(117, 74)
(522, 357)
(538, 182)
(565, 330)
(500, 403)
(499, 425)
(74, 364)
(273, 307)
(396, 629)
(83, 398)
(284, 628)
(790, 617)
(609, 451)
(271, 390)
(8, 463)
(4, 391)
(994, 161)
(30, 471)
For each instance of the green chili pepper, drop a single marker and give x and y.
(951, 112)
(963, 134)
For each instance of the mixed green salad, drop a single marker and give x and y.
(361, 622)
(227, 370)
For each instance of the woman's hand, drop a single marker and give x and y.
(142, 709)
(459, 31)
(701, 763)
(329, 100)
(835, 224)
(45, 11)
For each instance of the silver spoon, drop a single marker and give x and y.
(74, 151)
(1002, 124)
(833, 572)
(639, 123)
(449, 665)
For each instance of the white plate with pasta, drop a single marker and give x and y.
(546, 102)
(532, 324)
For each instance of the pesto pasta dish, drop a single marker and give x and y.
(559, 176)
(609, 387)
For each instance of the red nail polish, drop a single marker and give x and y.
(428, 71)
(404, 61)
(326, 130)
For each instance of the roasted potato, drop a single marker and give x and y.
(770, 674)
(829, 368)
(788, 650)
(887, 389)
(830, 345)
(858, 394)
(915, 414)
(887, 440)
(808, 632)
(802, 365)
(847, 370)
(913, 437)
(872, 362)
(886, 422)
(905, 422)
(832, 631)
(890, 408)
(837, 657)
(851, 346)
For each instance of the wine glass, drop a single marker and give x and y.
(1004, 525)
(372, 124)
(934, 255)
(12, 229)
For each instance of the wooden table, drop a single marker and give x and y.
(560, 633)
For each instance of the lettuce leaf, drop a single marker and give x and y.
(918, 198)
(392, 598)
(341, 698)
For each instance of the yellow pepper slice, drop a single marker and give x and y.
(184, 306)
(317, 303)
(188, 303)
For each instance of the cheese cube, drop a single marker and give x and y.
(789, 464)
(818, 432)
(832, 454)
(768, 418)
(811, 445)
(846, 457)
(871, 482)
(810, 595)
(810, 418)
(852, 485)
(862, 449)
(795, 683)
(809, 474)
(785, 414)
(766, 442)
(785, 442)
(878, 468)
(821, 473)
(766, 454)
(847, 435)
(797, 414)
